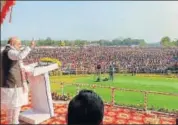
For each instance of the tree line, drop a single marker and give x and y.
(165, 41)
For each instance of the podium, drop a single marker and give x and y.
(42, 106)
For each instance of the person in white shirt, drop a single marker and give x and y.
(14, 88)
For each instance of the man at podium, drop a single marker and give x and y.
(14, 88)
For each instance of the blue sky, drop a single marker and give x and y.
(93, 20)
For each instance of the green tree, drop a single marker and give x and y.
(165, 41)
(142, 43)
(79, 42)
(175, 42)
(61, 43)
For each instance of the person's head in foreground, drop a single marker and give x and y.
(86, 108)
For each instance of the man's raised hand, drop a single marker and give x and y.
(32, 44)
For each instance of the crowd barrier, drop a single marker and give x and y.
(85, 72)
(113, 90)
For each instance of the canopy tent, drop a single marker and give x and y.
(6, 6)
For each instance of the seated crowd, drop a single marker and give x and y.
(144, 60)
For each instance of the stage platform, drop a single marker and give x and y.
(112, 115)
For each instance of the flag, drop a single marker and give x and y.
(6, 6)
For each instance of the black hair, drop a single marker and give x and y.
(86, 108)
(9, 41)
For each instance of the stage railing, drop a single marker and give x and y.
(113, 90)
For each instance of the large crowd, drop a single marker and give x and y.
(150, 59)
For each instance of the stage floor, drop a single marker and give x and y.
(112, 115)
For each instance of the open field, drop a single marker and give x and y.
(158, 84)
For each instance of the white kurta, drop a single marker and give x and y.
(16, 97)
(11, 98)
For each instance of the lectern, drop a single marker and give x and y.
(42, 106)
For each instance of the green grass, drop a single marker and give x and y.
(158, 84)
